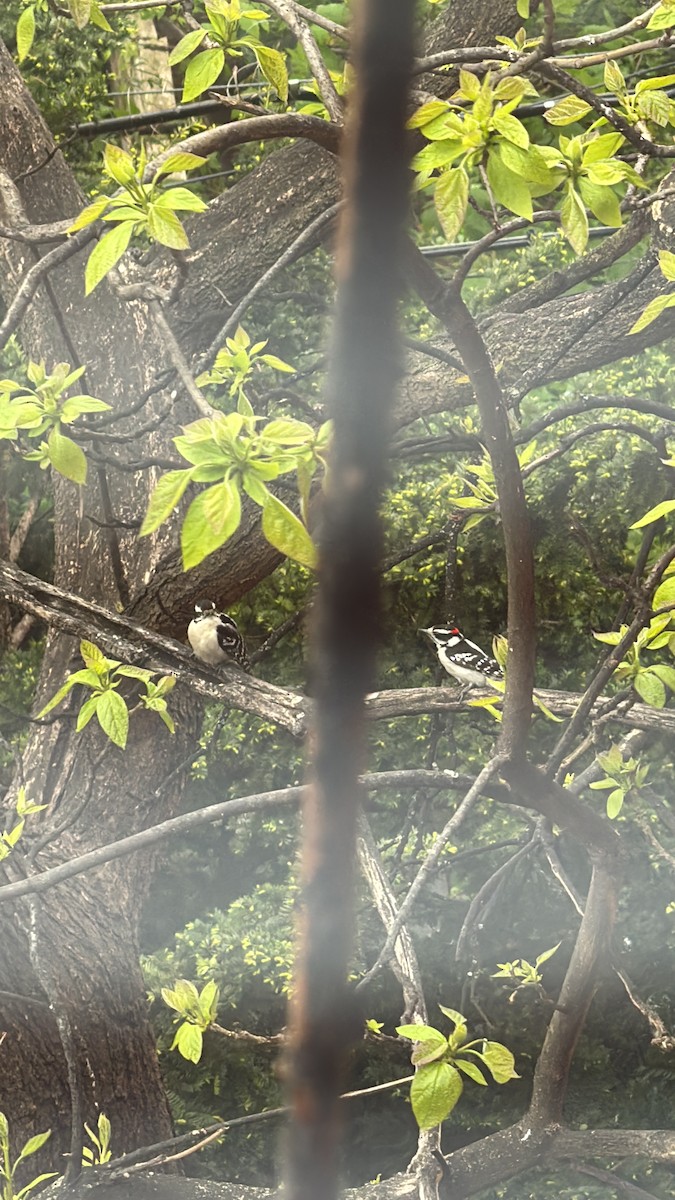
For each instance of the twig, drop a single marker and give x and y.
(297, 247)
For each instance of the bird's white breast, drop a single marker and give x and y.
(204, 641)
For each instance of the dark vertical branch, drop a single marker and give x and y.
(446, 303)
(364, 369)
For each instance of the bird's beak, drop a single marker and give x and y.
(428, 633)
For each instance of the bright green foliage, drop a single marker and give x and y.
(650, 682)
(525, 973)
(82, 11)
(224, 20)
(664, 17)
(8, 1168)
(649, 101)
(198, 1010)
(235, 365)
(103, 676)
(101, 1152)
(623, 777)
(139, 208)
(44, 409)
(440, 1063)
(485, 134)
(231, 454)
(24, 808)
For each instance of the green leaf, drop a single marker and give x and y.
(665, 673)
(180, 51)
(499, 1061)
(105, 254)
(667, 264)
(652, 311)
(650, 689)
(202, 71)
(451, 1013)
(86, 712)
(434, 1092)
(471, 1069)
(656, 107)
(34, 1183)
(602, 147)
(511, 128)
(507, 187)
(613, 77)
(574, 220)
(165, 228)
(97, 18)
(286, 532)
(523, 9)
(32, 1146)
(602, 202)
(663, 18)
(118, 164)
(180, 198)
(451, 198)
(542, 958)
(80, 11)
(164, 500)
(271, 360)
(426, 113)
(189, 1041)
(25, 32)
(67, 457)
(614, 803)
(567, 110)
(222, 508)
(180, 161)
(665, 593)
(421, 1033)
(273, 66)
(94, 658)
(90, 214)
(655, 514)
(113, 717)
(198, 537)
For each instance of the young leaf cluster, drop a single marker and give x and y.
(44, 409)
(139, 208)
(198, 1010)
(525, 973)
(236, 363)
(102, 676)
(224, 19)
(650, 681)
(8, 1168)
(623, 777)
(101, 1152)
(231, 454)
(24, 808)
(477, 130)
(442, 1061)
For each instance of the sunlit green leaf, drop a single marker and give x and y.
(113, 717)
(105, 254)
(286, 532)
(434, 1092)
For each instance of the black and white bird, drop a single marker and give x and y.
(462, 658)
(215, 639)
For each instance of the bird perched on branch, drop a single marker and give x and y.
(215, 639)
(462, 658)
